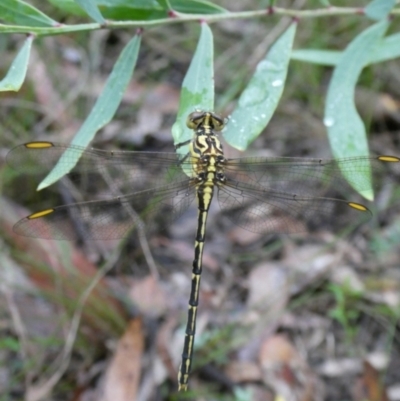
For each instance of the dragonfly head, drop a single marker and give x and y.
(205, 119)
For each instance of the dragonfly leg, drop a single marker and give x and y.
(180, 144)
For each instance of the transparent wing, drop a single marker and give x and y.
(158, 191)
(288, 195)
(261, 210)
(270, 195)
(126, 171)
(313, 177)
(109, 219)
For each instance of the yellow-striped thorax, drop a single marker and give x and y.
(205, 147)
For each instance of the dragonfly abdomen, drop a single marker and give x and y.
(187, 354)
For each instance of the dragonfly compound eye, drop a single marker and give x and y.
(217, 122)
(195, 119)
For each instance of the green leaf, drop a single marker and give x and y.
(68, 6)
(136, 10)
(102, 112)
(123, 10)
(321, 57)
(164, 4)
(379, 9)
(140, 10)
(346, 130)
(145, 4)
(261, 96)
(197, 91)
(16, 74)
(196, 7)
(20, 13)
(389, 49)
(91, 8)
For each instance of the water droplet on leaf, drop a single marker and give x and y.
(329, 122)
(276, 83)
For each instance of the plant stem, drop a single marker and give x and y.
(180, 18)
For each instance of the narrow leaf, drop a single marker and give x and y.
(102, 112)
(389, 49)
(16, 74)
(91, 8)
(143, 10)
(134, 3)
(379, 9)
(165, 4)
(197, 91)
(346, 130)
(134, 10)
(20, 13)
(197, 7)
(321, 57)
(261, 96)
(68, 6)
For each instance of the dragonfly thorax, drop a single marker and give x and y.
(205, 148)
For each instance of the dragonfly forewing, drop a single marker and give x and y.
(136, 170)
(315, 177)
(111, 175)
(286, 195)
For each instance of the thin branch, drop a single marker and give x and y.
(180, 18)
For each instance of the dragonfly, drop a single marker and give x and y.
(274, 195)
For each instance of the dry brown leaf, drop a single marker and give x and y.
(123, 373)
(376, 106)
(44, 89)
(287, 373)
(308, 263)
(164, 338)
(370, 386)
(340, 367)
(259, 393)
(347, 276)
(149, 296)
(243, 371)
(268, 295)
(184, 250)
(268, 287)
(242, 237)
